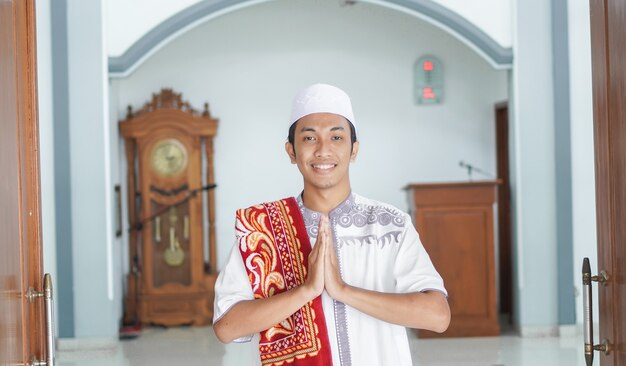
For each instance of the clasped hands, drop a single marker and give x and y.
(323, 269)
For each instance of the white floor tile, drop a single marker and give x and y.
(191, 346)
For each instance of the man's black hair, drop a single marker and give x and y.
(292, 133)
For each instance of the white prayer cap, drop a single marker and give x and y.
(321, 98)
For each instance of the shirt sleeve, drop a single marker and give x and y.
(231, 287)
(413, 270)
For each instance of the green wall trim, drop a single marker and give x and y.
(563, 164)
(62, 183)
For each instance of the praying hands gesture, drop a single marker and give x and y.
(252, 316)
(323, 266)
(422, 310)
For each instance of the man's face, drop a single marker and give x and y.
(323, 151)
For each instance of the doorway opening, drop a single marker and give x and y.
(505, 275)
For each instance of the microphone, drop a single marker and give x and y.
(470, 168)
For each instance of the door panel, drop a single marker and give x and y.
(608, 31)
(11, 322)
(21, 322)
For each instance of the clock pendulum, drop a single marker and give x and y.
(173, 255)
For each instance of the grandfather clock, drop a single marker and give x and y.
(171, 210)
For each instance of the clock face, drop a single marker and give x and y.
(168, 157)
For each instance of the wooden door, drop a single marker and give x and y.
(608, 32)
(504, 212)
(21, 321)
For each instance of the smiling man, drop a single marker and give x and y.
(328, 277)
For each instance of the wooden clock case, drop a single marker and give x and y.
(167, 213)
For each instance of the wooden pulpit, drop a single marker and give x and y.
(456, 226)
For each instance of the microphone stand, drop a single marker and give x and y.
(470, 168)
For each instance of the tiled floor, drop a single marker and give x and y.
(198, 346)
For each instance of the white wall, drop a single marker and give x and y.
(583, 178)
(493, 17)
(249, 64)
(131, 20)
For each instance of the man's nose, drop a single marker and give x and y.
(323, 148)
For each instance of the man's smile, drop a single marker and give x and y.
(323, 167)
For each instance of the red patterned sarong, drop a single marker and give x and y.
(275, 248)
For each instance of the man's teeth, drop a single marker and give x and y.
(323, 166)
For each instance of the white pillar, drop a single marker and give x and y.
(533, 170)
(96, 303)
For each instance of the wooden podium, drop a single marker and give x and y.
(456, 226)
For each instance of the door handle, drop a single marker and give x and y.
(603, 279)
(49, 302)
(47, 295)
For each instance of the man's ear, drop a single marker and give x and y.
(290, 151)
(355, 151)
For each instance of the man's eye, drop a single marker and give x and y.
(309, 138)
(337, 138)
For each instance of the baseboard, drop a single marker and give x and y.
(535, 331)
(569, 330)
(86, 344)
(574, 330)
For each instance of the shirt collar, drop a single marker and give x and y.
(344, 207)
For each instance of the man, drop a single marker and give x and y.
(329, 277)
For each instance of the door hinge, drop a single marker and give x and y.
(31, 294)
(602, 278)
(605, 347)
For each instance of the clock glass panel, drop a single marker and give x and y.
(168, 158)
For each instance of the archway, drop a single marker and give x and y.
(438, 15)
